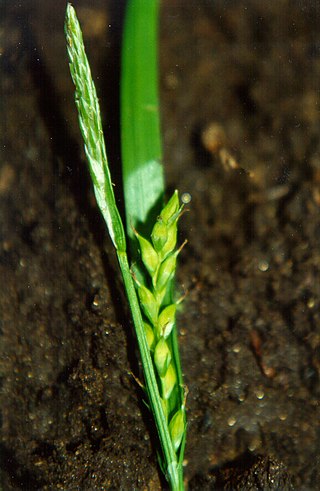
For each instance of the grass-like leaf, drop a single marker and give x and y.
(142, 169)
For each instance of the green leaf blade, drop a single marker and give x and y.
(140, 123)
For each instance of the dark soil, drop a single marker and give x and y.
(72, 416)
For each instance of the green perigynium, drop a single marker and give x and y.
(149, 256)
(159, 257)
(177, 427)
(166, 320)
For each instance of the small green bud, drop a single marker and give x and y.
(168, 382)
(177, 428)
(162, 357)
(149, 255)
(166, 320)
(166, 271)
(149, 335)
(159, 234)
(148, 303)
(171, 207)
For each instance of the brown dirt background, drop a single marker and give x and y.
(72, 416)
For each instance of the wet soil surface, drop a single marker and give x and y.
(241, 131)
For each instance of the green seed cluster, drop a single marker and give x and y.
(159, 257)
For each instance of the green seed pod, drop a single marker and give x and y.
(166, 271)
(171, 207)
(160, 294)
(149, 335)
(171, 241)
(148, 303)
(159, 234)
(168, 382)
(149, 255)
(177, 428)
(162, 357)
(164, 404)
(166, 320)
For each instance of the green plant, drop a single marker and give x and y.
(151, 303)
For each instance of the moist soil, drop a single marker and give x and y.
(239, 86)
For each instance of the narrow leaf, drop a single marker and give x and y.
(140, 124)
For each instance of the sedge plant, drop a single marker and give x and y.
(151, 227)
